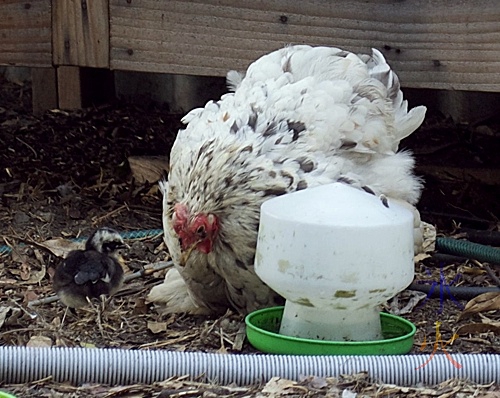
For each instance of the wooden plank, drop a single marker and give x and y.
(44, 89)
(25, 33)
(432, 44)
(81, 32)
(69, 87)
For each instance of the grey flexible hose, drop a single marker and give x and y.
(124, 367)
(452, 292)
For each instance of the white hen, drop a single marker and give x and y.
(301, 116)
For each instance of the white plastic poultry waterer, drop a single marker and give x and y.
(335, 253)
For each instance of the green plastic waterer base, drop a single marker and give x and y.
(263, 325)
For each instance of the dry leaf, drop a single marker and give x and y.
(10, 316)
(39, 341)
(24, 271)
(239, 339)
(157, 327)
(472, 271)
(8, 281)
(39, 256)
(485, 302)
(277, 387)
(474, 328)
(18, 256)
(35, 277)
(413, 297)
(148, 168)
(349, 394)
(429, 237)
(222, 349)
(30, 295)
(485, 319)
(61, 247)
(420, 257)
(140, 306)
(3, 314)
(314, 381)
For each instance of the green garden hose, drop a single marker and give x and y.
(456, 247)
(125, 235)
(468, 249)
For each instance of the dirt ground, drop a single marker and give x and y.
(63, 174)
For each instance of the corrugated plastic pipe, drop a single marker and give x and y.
(124, 367)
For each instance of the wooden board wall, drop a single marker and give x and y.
(81, 32)
(445, 44)
(25, 33)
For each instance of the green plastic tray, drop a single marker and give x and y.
(263, 326)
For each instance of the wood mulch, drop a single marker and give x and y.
(63, 174)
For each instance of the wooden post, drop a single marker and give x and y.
(80, 38)
(69, 87)
(44, 89)
(81, 87)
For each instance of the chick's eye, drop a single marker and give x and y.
(108, 247)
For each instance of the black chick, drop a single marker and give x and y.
(92, 272)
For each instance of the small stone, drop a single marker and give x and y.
(21, 218)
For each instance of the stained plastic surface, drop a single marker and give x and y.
(334, 253)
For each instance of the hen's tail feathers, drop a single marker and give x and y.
(405, 122)
(233, 80)
(163, 187)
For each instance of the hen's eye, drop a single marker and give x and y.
(201, 232)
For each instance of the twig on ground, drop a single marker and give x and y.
(488, 269)
(97, 220)
(45, 300)
(148, 270)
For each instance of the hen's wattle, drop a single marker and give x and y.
(301, 117)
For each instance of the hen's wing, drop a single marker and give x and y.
(320, 86)
(323, 111)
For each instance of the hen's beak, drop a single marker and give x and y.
(185, 255)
